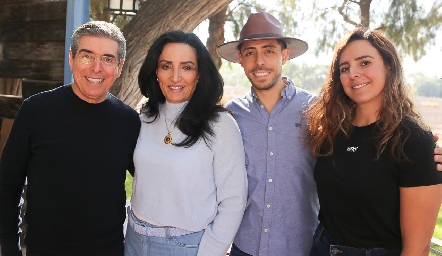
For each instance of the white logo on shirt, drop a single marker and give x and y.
(352, 149)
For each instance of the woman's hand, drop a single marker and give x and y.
(437, 154)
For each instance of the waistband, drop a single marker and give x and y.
(147, 229)
(337, 249)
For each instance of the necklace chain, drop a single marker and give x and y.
(168, 138)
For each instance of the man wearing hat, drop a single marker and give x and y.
(282, 208)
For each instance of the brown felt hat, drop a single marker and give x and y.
(261, 26)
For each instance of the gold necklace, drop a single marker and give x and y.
(168, 138)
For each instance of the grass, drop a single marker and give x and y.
(437, 232)
(438, 248)
(438, 229)
(128, 184)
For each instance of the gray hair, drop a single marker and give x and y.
(99, 29)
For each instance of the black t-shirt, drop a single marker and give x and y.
(359, 196)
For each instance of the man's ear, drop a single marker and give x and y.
(120, 68)
(285, 55)
(239, 57)
(70, 60)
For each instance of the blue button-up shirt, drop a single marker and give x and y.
(282, 206)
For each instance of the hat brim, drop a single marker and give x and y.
(229, 50)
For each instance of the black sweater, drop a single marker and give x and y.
(74, 156)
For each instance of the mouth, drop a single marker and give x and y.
(176, 88)
(260, 72)
(359, 86)
(94, 80)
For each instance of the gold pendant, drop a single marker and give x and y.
(168, 138)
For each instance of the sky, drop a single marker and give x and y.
(428, 65)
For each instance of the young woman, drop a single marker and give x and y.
(378, 187)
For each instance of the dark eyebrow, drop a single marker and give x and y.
(268, 46)
(89, 51)
(85, 50)
(358, 58)
(188, 62)
(183, 62)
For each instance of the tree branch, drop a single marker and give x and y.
(345, 16)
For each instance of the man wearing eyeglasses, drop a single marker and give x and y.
(73, 144)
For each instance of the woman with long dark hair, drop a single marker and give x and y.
(190, 185)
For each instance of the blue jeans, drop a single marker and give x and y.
(144, 245)
(324, 244)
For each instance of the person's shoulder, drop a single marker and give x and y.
(239, 102)
(309, 96)
(225, 120)
(418, 134)
(298, 92)
(119, 104)
(48, 95)
(48, 99)
(225, 128)
(123, 111)
(225, 116)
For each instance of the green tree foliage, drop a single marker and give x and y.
(412, 24)
(308, 77)
(238, 11)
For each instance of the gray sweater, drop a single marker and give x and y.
(192, 188)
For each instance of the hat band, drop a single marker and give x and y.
(259, 36)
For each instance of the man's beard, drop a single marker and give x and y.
(267, 86)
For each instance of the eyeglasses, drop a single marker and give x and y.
(88, 58)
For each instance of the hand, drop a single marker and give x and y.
(438, 158)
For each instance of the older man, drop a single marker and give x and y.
(73, 145)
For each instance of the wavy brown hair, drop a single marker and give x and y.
(330, 117)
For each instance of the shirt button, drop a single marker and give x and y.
(270, 128)
(271, 153)
(268, 206)
(270, 180)
(289, 97)
(266, 230)
(262, 106)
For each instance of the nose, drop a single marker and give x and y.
(260, 59)
(176, 76)
(354, 73)
(97, 66)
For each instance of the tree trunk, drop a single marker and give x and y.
(216, 34)
(365, 12)
(153, 19)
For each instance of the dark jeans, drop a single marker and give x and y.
(324, 244)
(235, 251)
